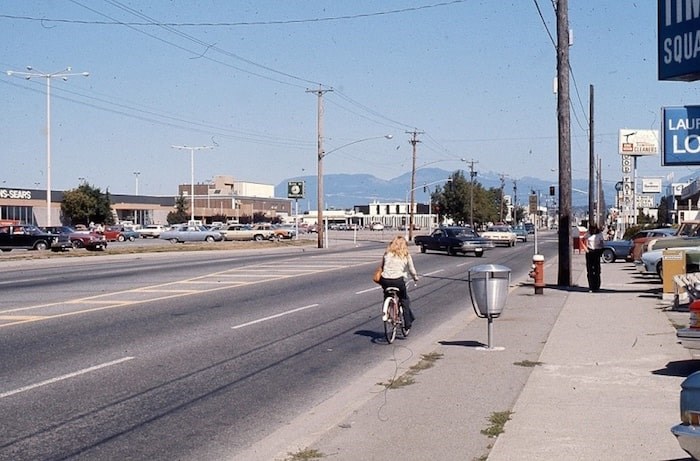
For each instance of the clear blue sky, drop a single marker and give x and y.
(475, 76)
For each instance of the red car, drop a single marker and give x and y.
(119, 234)
(91, 241)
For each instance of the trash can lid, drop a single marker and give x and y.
(489, 268)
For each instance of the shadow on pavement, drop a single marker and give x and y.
(463, 343)
(680, 368)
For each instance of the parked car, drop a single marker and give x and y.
(119, 234)
(151, 231)
(643, 236)
(520, 233)
(501, 235)
(241, 232)
(187, 233)
(377, 226)
(285, 231)
(530, 227)
(688, 431)
(617, 249)
(91, 241)
(652, 261)
(454, 240)
(27, 237)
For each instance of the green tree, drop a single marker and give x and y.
(454, 199)
(180, 215)
(87, 204)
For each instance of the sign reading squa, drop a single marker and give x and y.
(679, 40)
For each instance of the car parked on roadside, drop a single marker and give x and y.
(120, 234)
(185, 233)
(377, 226)
(91, 241)
(151, 231)
(688, 431)
(285, 231)
(27, 237)
(454, 240)
(651, 262)
(242, 232)
(617, 249)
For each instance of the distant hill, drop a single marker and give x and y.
(343, 191)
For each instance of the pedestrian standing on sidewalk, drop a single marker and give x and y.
(594, 250)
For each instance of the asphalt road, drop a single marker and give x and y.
(197, 355)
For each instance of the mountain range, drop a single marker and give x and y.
(343, 191)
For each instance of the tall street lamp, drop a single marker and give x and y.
(192, 149)
(136, 174)
(64, 74)
(319, 167)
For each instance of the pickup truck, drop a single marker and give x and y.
(454, 240)
(245, 232)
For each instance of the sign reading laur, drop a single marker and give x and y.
(681, 136)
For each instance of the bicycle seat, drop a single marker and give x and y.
(390, 290)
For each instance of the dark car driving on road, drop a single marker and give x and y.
(454, 240)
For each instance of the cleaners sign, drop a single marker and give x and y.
(679, 40)
(681, 136)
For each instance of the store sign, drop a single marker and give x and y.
(16, 194)
(651, 185)
(645, 201)
(678, 188)
(639, 142)
(681, 136)
(678, 40)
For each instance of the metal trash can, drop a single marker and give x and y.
(488, 289)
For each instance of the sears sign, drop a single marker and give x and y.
(679, 40)
(681, 136)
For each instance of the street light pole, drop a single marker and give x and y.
(64, 74)
(321, 155)
(136, 174)
(192, 149)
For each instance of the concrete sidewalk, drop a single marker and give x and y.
(587, 376)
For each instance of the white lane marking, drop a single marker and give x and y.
(462, 264)
(367, 290)
(434, 272)
(264, 319)
(64, 377)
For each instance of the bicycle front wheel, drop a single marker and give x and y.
(390, 324)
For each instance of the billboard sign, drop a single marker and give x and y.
(651, 185)
(681, 136)
(645, 201)
(678, 36)
(639, 142)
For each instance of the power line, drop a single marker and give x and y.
(239, 23)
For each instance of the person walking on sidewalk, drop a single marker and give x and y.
(594, 250)
(397, 265)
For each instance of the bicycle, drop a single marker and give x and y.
(392, 314)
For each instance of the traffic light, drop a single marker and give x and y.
(551, 190)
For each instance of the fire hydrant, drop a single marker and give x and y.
(537, 273)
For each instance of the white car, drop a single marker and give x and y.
(500, 235)
(152, 231)
(377, 226)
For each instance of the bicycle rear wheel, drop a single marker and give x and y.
(390, 324)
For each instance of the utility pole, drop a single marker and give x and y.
(592, 211)
(503, 185)
(564, 128)
(414, 140)
(472, 175)
(515, 201)
(319, 164)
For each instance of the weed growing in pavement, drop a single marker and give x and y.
(305, 455)
(527, 363)
(498, 420)
(426, 361)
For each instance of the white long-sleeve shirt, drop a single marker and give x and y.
(396, 267)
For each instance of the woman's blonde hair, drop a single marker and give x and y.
(398, 247)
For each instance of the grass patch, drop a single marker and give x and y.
(305, 455)
(527, 364)
(498, 420)
(426, 361)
